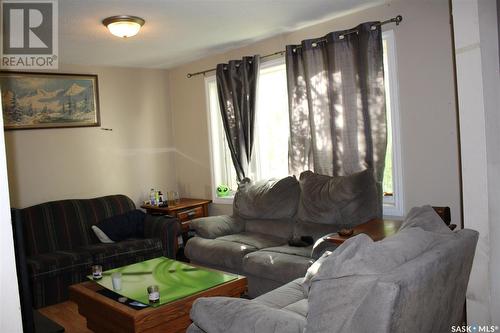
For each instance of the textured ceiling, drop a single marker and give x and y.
(180, 31)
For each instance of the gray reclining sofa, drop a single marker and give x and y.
(267, 215)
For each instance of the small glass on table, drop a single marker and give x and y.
(173, 198)
(153, 294)
(96, 272)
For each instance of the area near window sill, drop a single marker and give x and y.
(225, 200)
(390, 209)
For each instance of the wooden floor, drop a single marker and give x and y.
(66, 314)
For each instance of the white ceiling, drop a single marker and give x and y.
(180, 31)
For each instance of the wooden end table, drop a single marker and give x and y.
(377, 229)
(187, 210)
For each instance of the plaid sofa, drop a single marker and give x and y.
(61, 247)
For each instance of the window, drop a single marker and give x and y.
(392, 185)
(270, 152)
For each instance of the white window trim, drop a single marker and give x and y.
(272, 62)
(215, 198)
(229, 199)
(394, 206)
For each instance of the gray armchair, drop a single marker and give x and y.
(414, 281)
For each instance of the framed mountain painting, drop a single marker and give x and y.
(46, 100)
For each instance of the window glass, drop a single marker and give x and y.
(270, 152)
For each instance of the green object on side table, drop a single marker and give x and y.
(223, 191)
(175, 280)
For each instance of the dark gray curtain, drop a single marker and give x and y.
(237, 90)
(337, 103)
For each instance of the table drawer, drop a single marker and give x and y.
(190, 214)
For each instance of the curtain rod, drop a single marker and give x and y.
(396, 20)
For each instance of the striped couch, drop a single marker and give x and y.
(61, 247)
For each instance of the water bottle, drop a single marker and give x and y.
(152, 197)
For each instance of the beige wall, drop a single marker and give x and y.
(427, 103)
(139, 153)
(51, 164)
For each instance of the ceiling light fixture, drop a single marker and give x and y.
(123, 25)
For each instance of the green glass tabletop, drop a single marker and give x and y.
(175, 280)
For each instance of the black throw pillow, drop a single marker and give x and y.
(120, 227)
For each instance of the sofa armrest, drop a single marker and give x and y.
(226, 314)
(322, 245)
(216, 226)
(166, 228)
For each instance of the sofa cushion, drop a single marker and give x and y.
(217, 226)
(361, 255)
(426, 218)
(282, 228)
(124, 252)
(300, 307)
(349, 199)
(283, 296)
(289, 297)
(225, 314)
(358, 304)
(49, 265)
(123, 226)
(303, 251)
(103, 238)
(277, 265)
(269, 199)
(253, 239)
(217, 253)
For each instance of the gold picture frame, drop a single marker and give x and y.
(49, 100)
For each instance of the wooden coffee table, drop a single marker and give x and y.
(104, 314)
